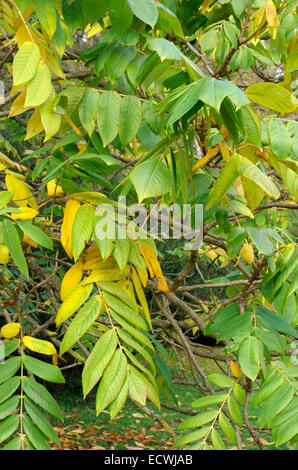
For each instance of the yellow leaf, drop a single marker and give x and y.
(54, 190)
(209, 155)
(11, 164)
(72, 124)
(69, 215)
(71, 279)
(18, 106)
(10, 330)
(22, 192)
(154, 268)
(248, 253)
(34, 125)
(72, 302)
(39, 345)
(27, 214)
(236, 371)
(4, 254)
(143, 275)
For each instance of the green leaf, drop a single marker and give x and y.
(249, 357)
(82, 228)
(168, 22)
(275, 404)
(238, 7)
(41, 422)
(108, 116)
(121, 252)
(88, 109)
(275, 321)
(217, 441)
(118, 403)
(10, 347)
(221, 380)
(39, 394)
(146, 12)
(14, 444)
(46, 12)
(151, 178)
(40, 87)
(9, 368)
(165, 49)
(286, 431)
(225, 180)
(185, 101)
(136, 388)
(292, 59)
(252, 126)
(280, 139)
(190, 437)
(137, 334)
(9, 406)
(138, 347)
(198, 420)
(272, 96)
(209, 400)
(80, 324)
(130, 119)
(235, 411)
(112, 381)
(98, 360)
(227, 428)
(25, 63)
(125, 311)
(261, 240)
(8, 427)
(120, 15)
(213, 92)
(35, 233)
(36, 437)
(12, 241)
(44, 370)
(118, 61)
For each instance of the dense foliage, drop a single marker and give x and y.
(161, 102)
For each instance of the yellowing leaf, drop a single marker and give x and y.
(248, 253)
(25, 63)
(140, 293)
(272, 18)
(272, 96)
(39, 345)
(69, 214)
(154, 267)
(236, 371)
(54, 190)
(40, 87)
(72, 302)
(22, 192)
(26, 214)
(28, 240)
(10, 330)
(4, 254)
(71, 279)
